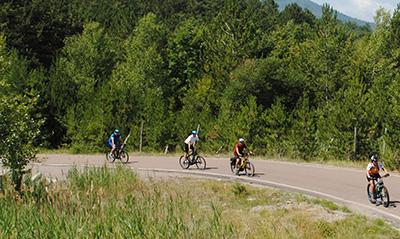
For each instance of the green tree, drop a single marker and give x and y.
(138, 85)
(274, 127)
(350, 110)
(297, 14)
(303, 130)
(19, 126)
(85, 67)
(36, 28)
(184, 62)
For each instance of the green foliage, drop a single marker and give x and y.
(184, 62)
(274, 134)
(138, 84)
(18, 130)
(88, 62)
(290, 83)
(297, 14)
(303, 130)
(19, 125)
(36, 28)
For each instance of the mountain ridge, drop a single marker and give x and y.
(316, 9)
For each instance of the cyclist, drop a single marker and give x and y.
(373, 173)
(238, 152)
(112, 141)
(190, 141)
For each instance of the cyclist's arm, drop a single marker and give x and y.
(190, 145)
(384, 169)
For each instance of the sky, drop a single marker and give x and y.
(362, 9)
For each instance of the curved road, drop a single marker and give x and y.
(346, 186)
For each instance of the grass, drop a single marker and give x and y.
(117, 203)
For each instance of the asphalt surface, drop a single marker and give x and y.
(345, 186)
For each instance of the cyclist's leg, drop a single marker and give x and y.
(372, 191)
(191, 149)
(112, 146)
(185, 151)
(237, 161)
(372, 179)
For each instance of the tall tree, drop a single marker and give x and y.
(19, 125)
(297, 14)
(36, 28)
(138, 84)
(87, 63)
(184, 62)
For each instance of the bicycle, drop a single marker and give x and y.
(380, 192)
(193, 158)
(244, 165)
(119, 153)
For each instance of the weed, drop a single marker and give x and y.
(239, 190)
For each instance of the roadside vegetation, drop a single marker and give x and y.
(118, 203)
(291, 84)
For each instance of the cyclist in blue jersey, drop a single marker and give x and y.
(112, 141)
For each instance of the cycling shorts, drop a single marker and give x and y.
(234, 159)
(186, 148)
(373, 176)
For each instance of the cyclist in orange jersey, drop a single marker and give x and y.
(373, 172)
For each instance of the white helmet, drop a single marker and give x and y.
(374, 158)
(241, 140)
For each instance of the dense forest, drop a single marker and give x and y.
(289, 83)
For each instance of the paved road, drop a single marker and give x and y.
(346, 186)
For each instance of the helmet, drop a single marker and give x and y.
(116, 131)
(194, 132)
(241, 140)
(374, 158)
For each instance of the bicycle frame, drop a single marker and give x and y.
(380, 190)
(244, 165)
(191, 157)
(120, 148)
(243, 160)
(118, 151)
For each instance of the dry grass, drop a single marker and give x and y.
(117, 203)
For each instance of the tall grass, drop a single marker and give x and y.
(116, 203)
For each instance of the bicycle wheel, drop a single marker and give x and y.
(184, 163)
(370, 197)
(124, 157)
(249, 169)
(385, 196)
(109, 158)
(233, 169)
(200, 163)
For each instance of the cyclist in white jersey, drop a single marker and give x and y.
(190, 141)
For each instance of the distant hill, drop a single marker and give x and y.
(316, 9)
